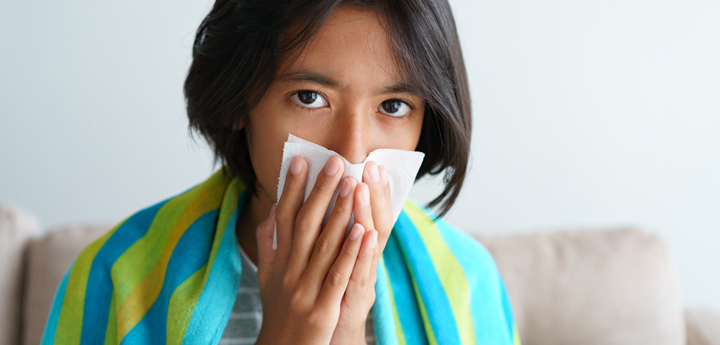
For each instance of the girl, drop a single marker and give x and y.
(200, 268)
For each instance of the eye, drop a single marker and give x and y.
(309, 99)
(394, 107)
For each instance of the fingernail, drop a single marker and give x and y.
(374, 174)
(373, 239)
(296, 165)
(355, 233)
(384, 176)
(331, 167)
(364, 194)
(345, 189)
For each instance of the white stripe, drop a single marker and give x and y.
(245, 315)
(244, 289)
(237, 341)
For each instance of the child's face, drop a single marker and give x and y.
(336, 95)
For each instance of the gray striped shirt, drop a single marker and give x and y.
(245, 320)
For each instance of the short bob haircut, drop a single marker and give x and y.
(239, 44)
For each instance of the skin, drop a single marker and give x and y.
(318, 287)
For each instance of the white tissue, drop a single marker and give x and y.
(401, 166)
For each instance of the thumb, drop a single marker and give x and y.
(266, 254)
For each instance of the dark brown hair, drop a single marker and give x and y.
(235, 58)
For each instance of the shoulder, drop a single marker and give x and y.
(147, 230)
(471, 265)
(460, 244)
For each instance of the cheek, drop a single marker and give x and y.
(266, 138)
(401, 136)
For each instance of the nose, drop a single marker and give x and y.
(350, 135)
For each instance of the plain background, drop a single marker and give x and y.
(587, 114)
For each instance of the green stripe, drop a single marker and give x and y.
(69, 326)
(423, 312)
(452, 277)
(186, 296)
(143, 255)
(182, 303)
(111, 337)
(516, 335)
(396, 317)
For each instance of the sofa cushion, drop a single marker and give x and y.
(590, 287)
(16, 229)
(48, 259)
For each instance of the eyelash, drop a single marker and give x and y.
(311, 110)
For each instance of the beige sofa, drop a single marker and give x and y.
(566, 287)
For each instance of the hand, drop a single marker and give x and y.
(372, 210)
(302, 283)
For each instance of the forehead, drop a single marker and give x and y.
(352, 45)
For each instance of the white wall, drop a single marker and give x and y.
(586, 114)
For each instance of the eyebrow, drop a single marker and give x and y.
(307, 76)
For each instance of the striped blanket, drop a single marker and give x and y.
(169, 275)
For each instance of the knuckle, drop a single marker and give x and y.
(287, 281)
(294, 184)
(339, 208)
(323, 186)
(282, 212)
(322, 246)
(362, 282)
(348, 251)
(297, 302)
(302, 222)
(336, 278)
(315, 318)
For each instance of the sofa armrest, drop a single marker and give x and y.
(703, 327)
(16, 229)
(49, 257)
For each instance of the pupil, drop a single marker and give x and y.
(308, 97)
(391, 106)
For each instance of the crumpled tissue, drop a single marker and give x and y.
(401, 166)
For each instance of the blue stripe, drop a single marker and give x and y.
(491, 321)
(404, 294)
(383, 319)
(51, 326)
(432, 293)
(218, 296)
(190, 254)
(507, 308)
(99, 285)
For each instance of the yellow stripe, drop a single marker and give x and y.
(423, 312)
(182, 303)
(138, 260)
(452, 277)
(398, 325)
(69, 325)
(516, 335)
(186, 296)
(133, 308)
(228, 206)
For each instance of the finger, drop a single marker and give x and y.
(381, 206)
(356, 293)
(330, 240)
(363, 214)
(373, 270)
(311, 214)
(266, 253)
(336, 281)
(288, 207)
